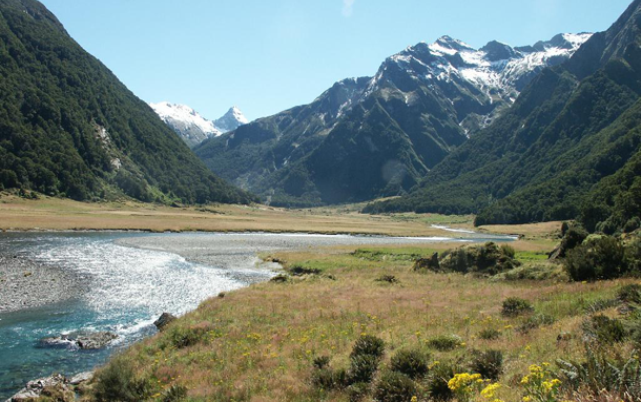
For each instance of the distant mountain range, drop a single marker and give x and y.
(379, 136)
(192, 127)
(570, 147)
(69, 127)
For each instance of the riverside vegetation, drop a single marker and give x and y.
(508, 324)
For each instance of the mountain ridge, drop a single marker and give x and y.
(553, 155)
(434, 97)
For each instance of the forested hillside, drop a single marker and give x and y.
(568, 147)
(69, 128)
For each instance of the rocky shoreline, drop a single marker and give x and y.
(25, 284)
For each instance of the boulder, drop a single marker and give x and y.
(429, 264)
(97, 340)
(89, 341)
(55, 387)
(164, 320)
(81, 378)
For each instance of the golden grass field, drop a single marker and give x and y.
(259, 343)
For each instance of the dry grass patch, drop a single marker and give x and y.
(261, 341)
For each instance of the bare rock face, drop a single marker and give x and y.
(164, 320)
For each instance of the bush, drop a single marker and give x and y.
(298, 270)
(437, 387)
(444, 343)
(388, 278)
(487, 259)
(356, 392)
(601, 258)
(489, 334)
(632, 225)
(630, 294)
(321, 362)
(176, 393)
(395, 387)
(362, 369)
(327, 378)
(515, 306)
(601, 374)
(604, 329)
(412, 363)
(368, 345)
(573, 238)
(182, 337)
(535, 271)
(488, 364)
(535, 322)
(118, 382)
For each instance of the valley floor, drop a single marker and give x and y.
(260, 343)
(61, 214)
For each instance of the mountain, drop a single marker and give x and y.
(568, 148)
(231, 120)
(69, 127)
(192, 127)
(186, 122)
(378, 136)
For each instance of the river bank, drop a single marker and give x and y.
(26, 284)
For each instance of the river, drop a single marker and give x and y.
(129, 279)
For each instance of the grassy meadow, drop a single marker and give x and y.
(261, 343)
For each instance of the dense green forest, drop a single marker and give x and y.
(568, 148)
(69, 128)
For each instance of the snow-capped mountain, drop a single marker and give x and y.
(233, 119)
(378, 136)
(194, 128)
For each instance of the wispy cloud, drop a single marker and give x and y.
(348, 7)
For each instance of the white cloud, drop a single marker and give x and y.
(348, 7)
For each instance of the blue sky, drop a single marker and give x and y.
(265, 56)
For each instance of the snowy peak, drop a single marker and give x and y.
(185, 116)
(192, 127)
(233, 119)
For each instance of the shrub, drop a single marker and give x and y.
(395, 387)
(489, 334)
(604, 329)
(362, 368)
(368, 345)
(632, 225)
(118, 382)
(412, 363)
(535, 322)
(444, 343)
(601, 258)
(489, 364)
(437, 386)
(326, 378)
(321, 362)
(535, 271)
(182, 337)
(176, 393)
(487, 259)
(573, 238)
(600, 374)
(387, 278)
(515, 306)
(356, 392)
(298, 270)
(630, 293)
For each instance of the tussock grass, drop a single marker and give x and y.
(262, 343)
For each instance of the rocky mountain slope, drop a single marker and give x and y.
(378, 136)
(69, 127)
(569, 147)
(192, 128)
